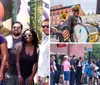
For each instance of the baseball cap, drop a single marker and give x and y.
(65, 56)
(75, 7)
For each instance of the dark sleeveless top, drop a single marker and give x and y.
(26, 62)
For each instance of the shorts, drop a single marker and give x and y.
(67, 75)
(1, 83)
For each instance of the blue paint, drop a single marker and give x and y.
(80, 31)
(87, 29)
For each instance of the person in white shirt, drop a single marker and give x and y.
(44, 59)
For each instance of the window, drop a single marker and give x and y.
(61, 12)
(54, 14)
(57, 13)
(66, 12)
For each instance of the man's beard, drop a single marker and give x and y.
(18, 34)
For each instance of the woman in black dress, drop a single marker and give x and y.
(27, 56)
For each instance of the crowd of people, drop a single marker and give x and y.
(22, 57)
(74, 71)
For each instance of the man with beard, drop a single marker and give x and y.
(14, 41)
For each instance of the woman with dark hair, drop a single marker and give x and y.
(79, 71)
(27, 57)
(3, 57)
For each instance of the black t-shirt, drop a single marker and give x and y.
(12, 56)
(58, 63)
(72, 62)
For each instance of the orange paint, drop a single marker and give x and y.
(1, 11)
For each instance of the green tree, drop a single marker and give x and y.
(36, 16)
(96, 51)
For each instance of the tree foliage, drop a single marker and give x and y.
(96, 51)
(36, 16)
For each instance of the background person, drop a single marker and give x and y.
(73, 70)
(66, 68)
(79, 71)
(98, 64)
(52, 70)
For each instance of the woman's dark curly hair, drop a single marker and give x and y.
(35, 40)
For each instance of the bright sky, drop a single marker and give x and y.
(86, 5)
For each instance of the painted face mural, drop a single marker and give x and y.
(5, 16)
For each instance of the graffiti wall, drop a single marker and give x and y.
(5, 16)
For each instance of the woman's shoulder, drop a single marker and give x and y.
(2, 39)
(1, 36)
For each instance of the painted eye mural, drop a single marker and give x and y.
(5, 16)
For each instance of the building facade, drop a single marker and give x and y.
(70, 49)
(57, 11)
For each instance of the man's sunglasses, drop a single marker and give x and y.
(76, 10)
(16, 27)
(43, 26)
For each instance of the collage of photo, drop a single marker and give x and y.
(74, 42)
(49, 42)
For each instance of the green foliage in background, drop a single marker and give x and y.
(36, 17)
(96, 51)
